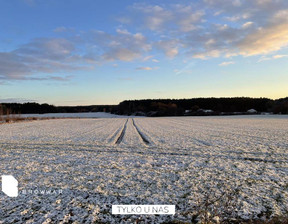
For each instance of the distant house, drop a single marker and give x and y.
(204, 112)
(188, 112)
(252, 111)
(208, 111)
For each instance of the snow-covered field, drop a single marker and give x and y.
(75, 115)
(213, 167)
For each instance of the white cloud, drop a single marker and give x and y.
(210, 42)
(147, 58)
(47, 48)
(124, 31)
(188, 18)
(42, 55)
(247, 25)
(207, 54)
(280, 56)
(124, 46)
(158, 18)
(234, 18)
(144, 68)
(122, 54)
(264, 40)
(263, 59)
(225, 63)
(197, 30)
(170, 47)
(50, 55)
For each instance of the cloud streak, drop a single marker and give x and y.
(146, 68)
(226, 63)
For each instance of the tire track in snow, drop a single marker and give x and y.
(111, 138)
(139, 132)
(120, 138)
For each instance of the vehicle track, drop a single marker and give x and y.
(139, 132)
(120, 138)
(24, 149)
(111, 138)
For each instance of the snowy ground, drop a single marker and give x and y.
(75, 115)
(239, 164)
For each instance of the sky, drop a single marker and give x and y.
(87, 52)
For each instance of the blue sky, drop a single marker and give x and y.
(82, 52)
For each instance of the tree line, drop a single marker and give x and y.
(198, 106)
(161, 107)
(36, 108)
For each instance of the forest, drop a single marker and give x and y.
(161, 107)
(202, 106)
